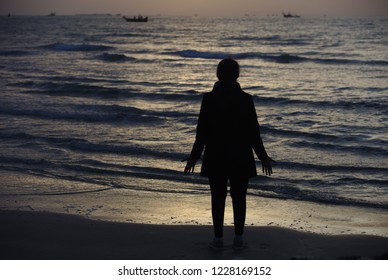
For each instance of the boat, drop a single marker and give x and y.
(136, 19)
(289, 15)
(52, 14)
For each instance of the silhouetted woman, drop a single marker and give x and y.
(228, 130)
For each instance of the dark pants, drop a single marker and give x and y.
(238, 192)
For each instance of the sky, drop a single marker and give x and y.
(199, 7)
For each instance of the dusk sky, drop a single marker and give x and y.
(200, 7)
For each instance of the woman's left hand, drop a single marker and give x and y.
(190, 165)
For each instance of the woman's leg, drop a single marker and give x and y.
(218, 187)
(238, 192)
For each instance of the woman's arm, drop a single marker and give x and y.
(257, 142)
(200, 137)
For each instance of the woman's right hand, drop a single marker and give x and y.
(267, 165)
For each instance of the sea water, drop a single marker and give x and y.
(93, 103)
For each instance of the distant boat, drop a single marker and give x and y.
(136, 19)
(289, 15)
(52, 14)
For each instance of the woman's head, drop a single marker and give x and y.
(228, 70)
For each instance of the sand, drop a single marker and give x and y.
(49, 236)
(158, 208)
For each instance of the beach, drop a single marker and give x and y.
(47, 236)
(144, 207)
(91, 146)
(110, 225)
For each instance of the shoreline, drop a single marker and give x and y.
(43, 235)
(142, 207)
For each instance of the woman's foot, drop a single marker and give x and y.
(238, 242)
(217, 244)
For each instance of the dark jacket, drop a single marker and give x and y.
(228, 130)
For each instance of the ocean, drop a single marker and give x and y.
(93, 103)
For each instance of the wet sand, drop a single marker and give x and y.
(43, 235)
(138, 207)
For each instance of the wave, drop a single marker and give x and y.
(69, 143)
(69, 79)
(76, 47)
(353, 169)
(272, 40)
(84, 145)
(85, 89)
(73, 89)
(317, 196)
(90, 88)
(103, 174)
(14, 53)
(129, 149)
(130, 35)
(91, 113)
(321, 141)
(292, 133)
(283, 58)
(358, 149)
(371, 104)
(111, 57)
(132, 116)
(320, 136)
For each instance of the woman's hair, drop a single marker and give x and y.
(228, 70)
